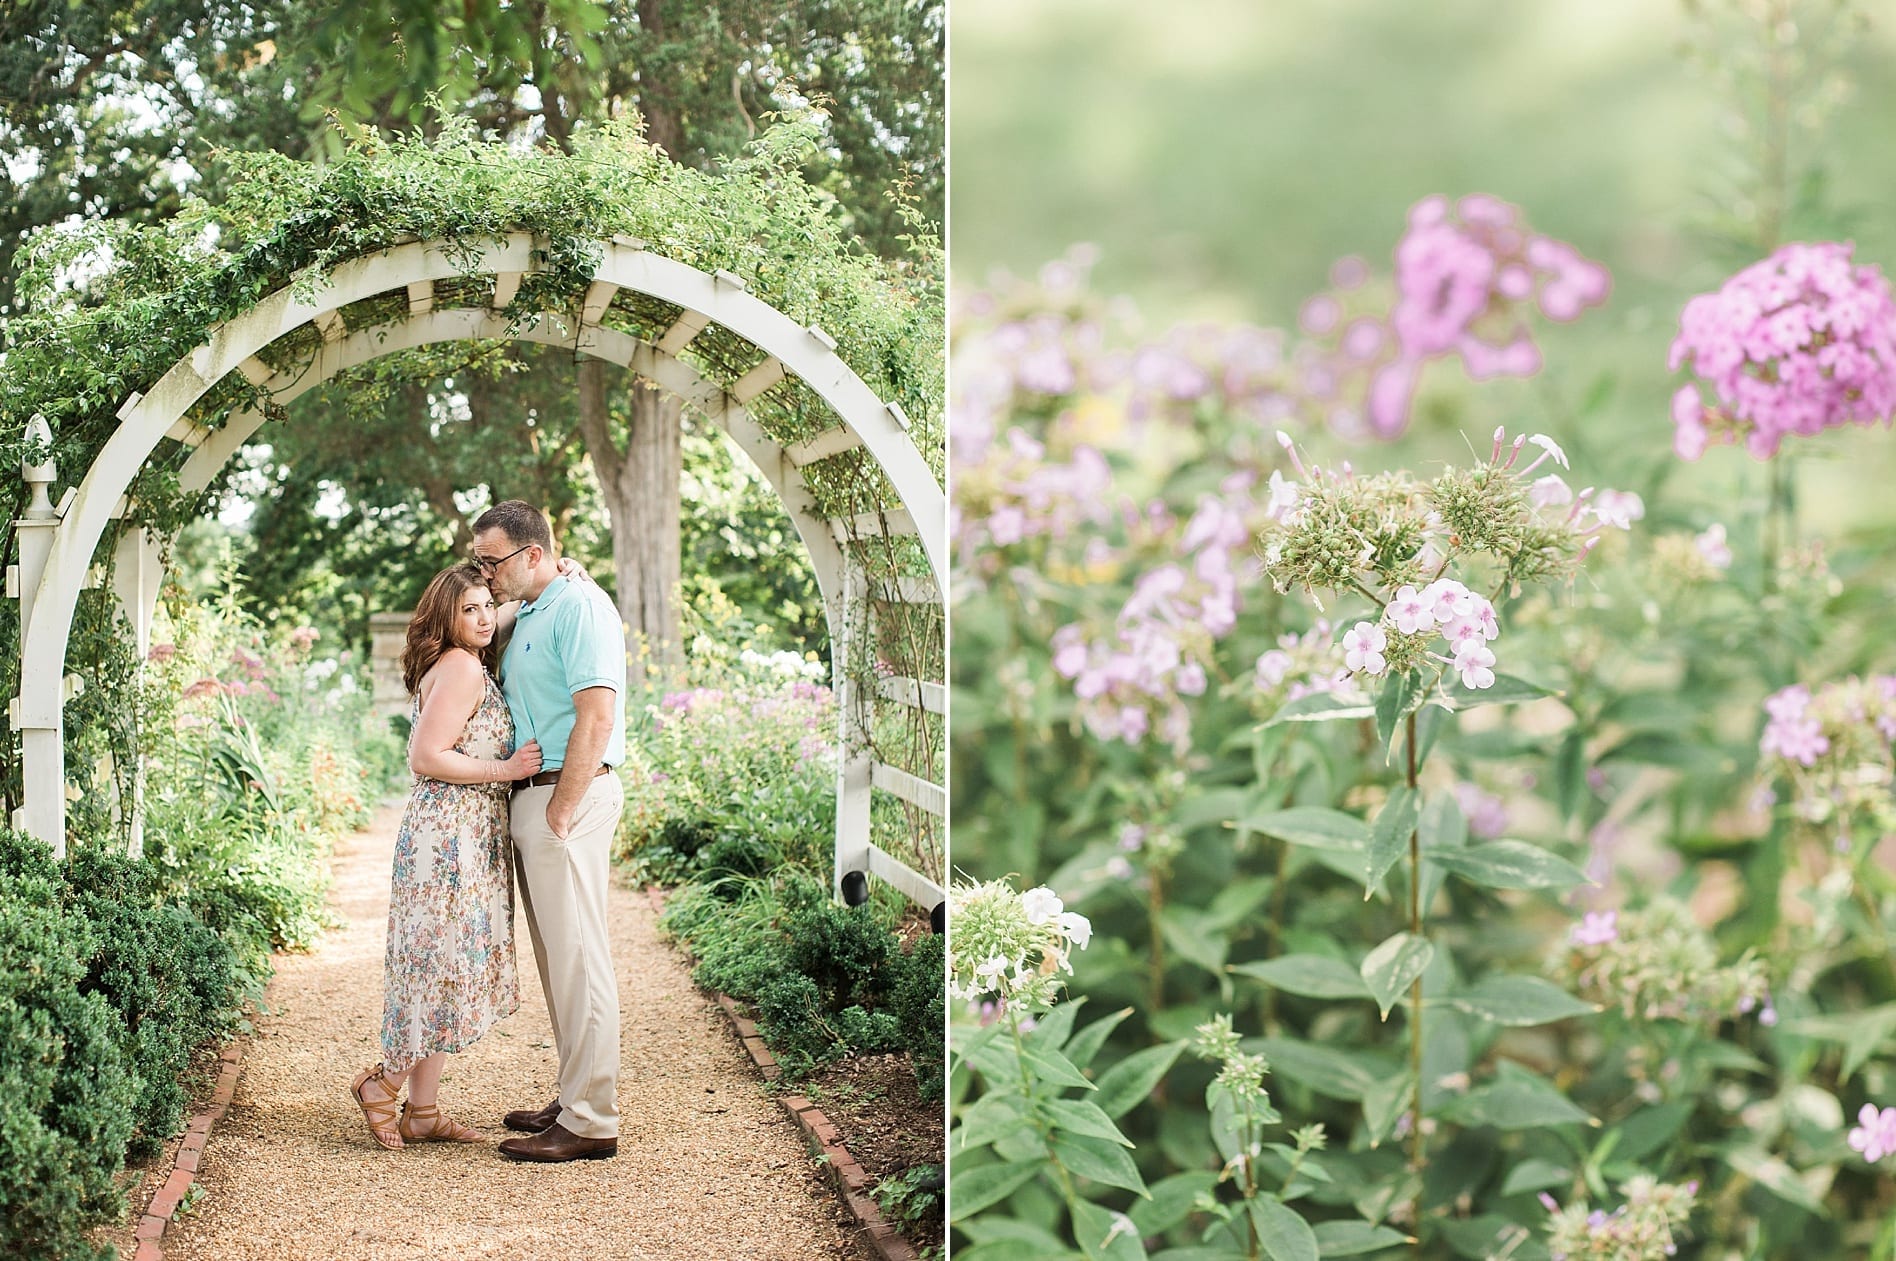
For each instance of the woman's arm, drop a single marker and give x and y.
(452, 698)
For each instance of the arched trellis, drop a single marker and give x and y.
(57, 543)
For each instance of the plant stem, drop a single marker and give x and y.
(1067, 1190)
(1416, 1147)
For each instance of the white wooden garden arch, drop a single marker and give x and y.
(58, 542)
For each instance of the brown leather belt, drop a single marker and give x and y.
(550, 777)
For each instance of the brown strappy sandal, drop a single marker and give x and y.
(441, 1128)
(378, 1112)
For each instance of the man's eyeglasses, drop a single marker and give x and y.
(487, 566)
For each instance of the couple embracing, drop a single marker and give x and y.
(513, 774)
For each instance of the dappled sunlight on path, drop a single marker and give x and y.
(708, 1168)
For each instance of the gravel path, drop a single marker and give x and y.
(708, 1168)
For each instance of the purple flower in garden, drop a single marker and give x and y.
(1875, 1133)
(1791, 734)
(1596, 929)
(1797, 343)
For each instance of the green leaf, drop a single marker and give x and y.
(1313, 976)
(1098, 1159)
(1052, 1029)
(1535, 1175)
(1442, 826)
(1507, 690)
(1286, 1236)
(1861, 1032)
(1391, 967)
(1086, 1043)
(1389, 836)
(1328, 1070)
(1218, 805)
(1185, 930)
(1515, 1100)
(1128, 1082)
(1400, 694)
(1050, 1066)
(1774, 1175)
(990, 1117)
(1384, 1103)
(1321, 707)
(1649, 1129)
(1171, 1201)
(972, 1190)
(1106, 1235)
(1510, 865)
(1313, 826)
(1083, 1116)
(1519, 1001)
(1352, 1239)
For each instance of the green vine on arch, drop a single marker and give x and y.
(106, 308)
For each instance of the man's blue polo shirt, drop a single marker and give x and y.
(566, 641)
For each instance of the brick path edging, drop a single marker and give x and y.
(845, 1171)
(157, 1215)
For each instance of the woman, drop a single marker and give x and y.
(450, 972)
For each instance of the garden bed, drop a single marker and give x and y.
(891, 1129)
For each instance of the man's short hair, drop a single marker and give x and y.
(519, 520)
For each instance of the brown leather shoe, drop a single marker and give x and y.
(556, 1143)
(532, 1122)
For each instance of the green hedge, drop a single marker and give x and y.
(105, 990)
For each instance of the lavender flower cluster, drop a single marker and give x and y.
(1658, 964)
(1835, 746)
(1641, 1229)
(1797, 343)
(1468, 277)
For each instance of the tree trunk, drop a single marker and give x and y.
(640, 487)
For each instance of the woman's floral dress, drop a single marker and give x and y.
(450, 972)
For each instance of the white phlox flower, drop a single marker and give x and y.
(1041, 905)
(1363, 648)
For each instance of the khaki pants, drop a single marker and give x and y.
(563, 886)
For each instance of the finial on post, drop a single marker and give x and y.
(39, 476)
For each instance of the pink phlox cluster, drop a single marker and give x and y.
(1014, 493)
(1792, 733)
(1462, 617)
(1837, 745)
(1875, 1133)
(1644, 1228)
(1797, 343)
(1596, 929)
(1239, 369)
(1161, 640)
(1305, 664)
(1468, 277)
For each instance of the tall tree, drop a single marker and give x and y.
(115, 108)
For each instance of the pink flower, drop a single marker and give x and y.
(1596, 929)
(1875, 1133)
(1363, 648)
(1797, 343)
(1475, 660)
(1410, 611)
(1712, 546)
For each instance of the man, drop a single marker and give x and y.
(564, 678)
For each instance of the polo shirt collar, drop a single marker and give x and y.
(554, 590)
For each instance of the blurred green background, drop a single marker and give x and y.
(1222, 153)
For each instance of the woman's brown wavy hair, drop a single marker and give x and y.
(430, 630)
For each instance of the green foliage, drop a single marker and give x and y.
(172, 979)
(66, 1093)
(916, 999)
(843, 949)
